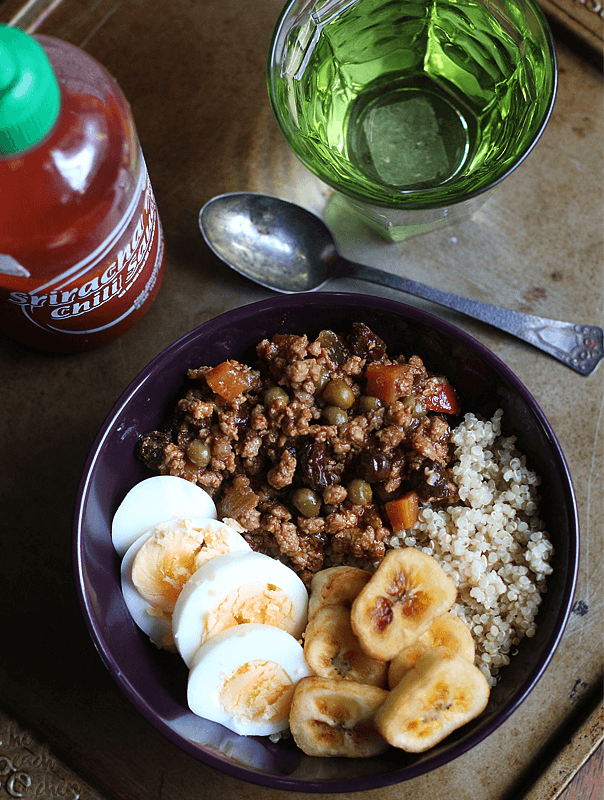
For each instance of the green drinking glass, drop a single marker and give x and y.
(413, 110)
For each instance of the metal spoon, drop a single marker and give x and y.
(286, 248)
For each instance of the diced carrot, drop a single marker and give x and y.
(229, 380)
(388, 382)
(403, 512)
(443, 399)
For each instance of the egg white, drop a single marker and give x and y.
(210, 585)
(156, 625)
(154, 500)
(229, 650)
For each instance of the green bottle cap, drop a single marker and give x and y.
(29, 92)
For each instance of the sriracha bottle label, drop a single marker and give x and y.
(111, 287)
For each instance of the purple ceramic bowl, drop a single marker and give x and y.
(155, 681)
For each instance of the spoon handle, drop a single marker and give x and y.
(580, 347)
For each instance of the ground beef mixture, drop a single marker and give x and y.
(305, 448)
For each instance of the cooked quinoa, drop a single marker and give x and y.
(492, 544)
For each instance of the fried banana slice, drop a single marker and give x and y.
(332, 650)
(446, 631)
(405, 594)
(335, 718)
(440, 694)
(336, 586)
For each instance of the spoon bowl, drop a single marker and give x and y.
(277, 244)
(284, 247)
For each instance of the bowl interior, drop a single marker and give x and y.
(155, 681)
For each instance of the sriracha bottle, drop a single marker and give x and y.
(81, 244)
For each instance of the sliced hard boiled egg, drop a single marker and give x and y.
(154, 500)
(176, 550)
(234, 589)
(157, 626)
(157, 565)
(244, 678)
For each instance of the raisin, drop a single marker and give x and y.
(242, 416)
(365, 343)
(315, 465)
(336, 347)
(429, 480)
(150, 448)
(372, 466)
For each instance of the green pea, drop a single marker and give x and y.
(323, 379)
(335, 415)
(369, 403)
(274, 394)
(359, 492)
(199, 453)
(307, 502)
(338, 393)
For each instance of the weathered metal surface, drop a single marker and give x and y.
(194, 75)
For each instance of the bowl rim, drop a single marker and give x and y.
(266, 779)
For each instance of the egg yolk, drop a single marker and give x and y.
(257, 690)
(252, 602)
(168, 559)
